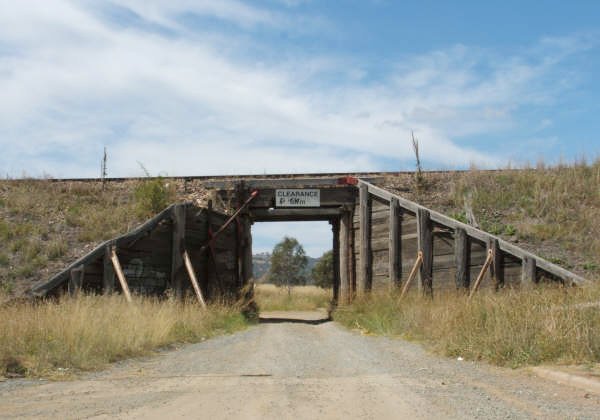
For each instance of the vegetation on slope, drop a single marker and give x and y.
(58, 338)
(44, 224)
(511, 328)
(551, 211)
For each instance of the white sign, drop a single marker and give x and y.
(297, 198)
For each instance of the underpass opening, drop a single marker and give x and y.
(293, 269)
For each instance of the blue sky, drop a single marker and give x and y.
(220, 87)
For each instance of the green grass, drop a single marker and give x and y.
(511, 328)
(51, 338)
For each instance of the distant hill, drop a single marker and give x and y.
(262, 262)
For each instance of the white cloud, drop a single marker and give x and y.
(315, 237)
(166, 12)
(72, 81)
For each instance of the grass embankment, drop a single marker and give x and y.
(44, 225)
(510, 328)
(273, 298)
(552, 211)
(57, 339)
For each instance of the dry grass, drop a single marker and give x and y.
(50, 339)
(542, 205)
(273, 298)
(44, 225)
(510, 328)
(552, 211)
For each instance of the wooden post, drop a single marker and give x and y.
(497, 267)
(412, 274)
(395, 244)
(335, 228)
(193, 280)
(240, 235)
(247, 267)
(528, 273)
(120, 275)
(462, 249)
(352, 265)
(177, 248)
(425, 245)
(486, 265)
(207, 255)
(365, 271)
(345, 229)
(108, 273)
(76, 280)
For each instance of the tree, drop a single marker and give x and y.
(288, 263)
(322, 272)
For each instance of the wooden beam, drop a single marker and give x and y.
(425, 245)
(365, 273)
(484, 269)
(335, 228)
(345, 251)
(413, 272)
(240, 231)
(528, 272)
(395, 243)
(265, 215)
(119, 271)
(177, 248)
(462, 253)
(497, 267)
(207, 255)
(108, 273)
(247, 268)
(329, 197)
(509, 248)
(193, 279)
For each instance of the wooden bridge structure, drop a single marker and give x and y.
(380, 241)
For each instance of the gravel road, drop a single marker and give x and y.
(291, 370)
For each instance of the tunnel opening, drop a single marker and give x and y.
(293, 270)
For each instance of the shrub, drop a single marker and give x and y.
(152, 196)
(56, 248)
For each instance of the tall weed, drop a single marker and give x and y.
(40, 339)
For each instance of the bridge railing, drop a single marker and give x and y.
(428, 221)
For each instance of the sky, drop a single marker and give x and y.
(197, 87)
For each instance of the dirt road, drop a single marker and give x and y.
(286, 370)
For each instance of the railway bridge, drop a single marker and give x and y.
(380, 241)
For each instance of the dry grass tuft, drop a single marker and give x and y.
(58, 338)
(510, 328)
(273, 298)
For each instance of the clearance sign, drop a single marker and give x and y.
(297, 198)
